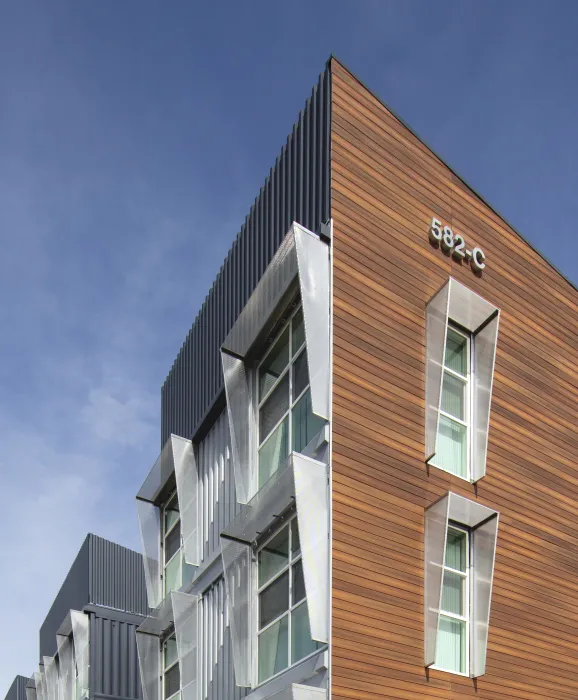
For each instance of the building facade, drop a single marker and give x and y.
(87, 641)
(366, 486)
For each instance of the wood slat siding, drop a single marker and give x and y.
(386, 186)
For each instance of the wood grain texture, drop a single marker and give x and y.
(386, 186)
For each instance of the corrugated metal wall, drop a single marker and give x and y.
(17, 689)
(116, 577)
(217, 501)
(297, 189)
(114, 669)
(218, 676)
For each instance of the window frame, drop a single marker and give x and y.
(292, 561)
(292, 402)
(165, 532)
(164, 669)
(467, 576)
(468, 402)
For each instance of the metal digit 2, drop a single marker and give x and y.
(459, 247)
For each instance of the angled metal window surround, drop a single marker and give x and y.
(298, 691)
(457, 303)
(483, 523)
(31, 689)
(181, 610)
(178, 457)
(302, 255)
(66, 663)
(304, 481)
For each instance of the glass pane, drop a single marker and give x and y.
(172, 681)
(456, 356)
(451, 646)
(171, 654)
(452, 447)
(188, 572)
(273, 409)
(306, 425)
(274, 649)
(456, 550)
(301, 642)
(454, 396)
(274, 364)
(300, 374)
(298, 332)
(171, 513)
(173, 575)
(453, 593)
(274, 556)
(298, 583)
(274, 600)
(173, 542)
(295, 543)
(274, 452)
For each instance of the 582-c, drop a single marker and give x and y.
(454, 243)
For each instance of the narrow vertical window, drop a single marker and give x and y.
(453, 444)
(171, 669)
(454, 620)
(176, 571)
(286, 420)
(283, 621)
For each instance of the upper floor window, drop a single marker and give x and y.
(175, 571)
(171, 682)
(454, 439)
(283, 629)
(454, 619)
(286, 421)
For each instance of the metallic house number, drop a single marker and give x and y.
(454, 243)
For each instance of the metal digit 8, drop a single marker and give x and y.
(435, 230)
(478, 258)
(447, 238)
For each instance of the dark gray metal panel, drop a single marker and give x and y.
(114, 669)
(17, 689)
(74, 594)
(297, 189)
(116, 577)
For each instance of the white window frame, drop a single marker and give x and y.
(164, 534)
(164, 669)
(456, 527)
(468, 402)
(293, 357)
(291, 562)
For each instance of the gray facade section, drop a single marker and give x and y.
(297, 189)
(114, 669)
(17, 689)
(103, 573)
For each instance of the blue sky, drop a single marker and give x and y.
(134, 136)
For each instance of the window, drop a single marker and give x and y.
(283, 622)
(453, 443)
(454, 619)
(286, 421)
(176, 571)
(171, 669)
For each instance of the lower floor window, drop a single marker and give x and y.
(171, 670)
(452, 652)
(284, 636)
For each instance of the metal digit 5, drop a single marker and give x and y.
(448, 238)
(478, 258)
(435, 230)
(459, 248)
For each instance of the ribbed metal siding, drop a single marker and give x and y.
(217, 672)
(114, 669)
(116, 577)
(217, 501)
(296, 189)
(17, 689)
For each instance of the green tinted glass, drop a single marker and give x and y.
(456, 356)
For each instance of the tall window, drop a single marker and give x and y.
(176, 571)
(286, 421)
(283, 621)
(453, 444)
(171, 670)
(453, 632)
